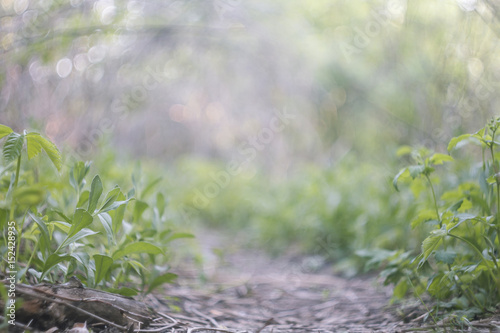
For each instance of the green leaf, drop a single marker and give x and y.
(416, 170)
(61, 214)
(465, 206)
(44, 241)
(84, 198)
(150, 187)
(115, 205)
(458, 219)
(137, 247)
(400, 289)
(447, 257)
(36, 143)
(53, 260)
(454, 141)
(4, 295)
(424, 216)
(79, 235)
(5, 130)
(136, 175)
(95, 193)
(401, 173)
(81, 219)
(438, 159)
(179, 235)
(160, 203)
(404, 150)
(491, 180)
(110, 198)
(159, 280)
(124, 291)
(431, 243)
(63, 226)
(140, 207)
(13, 147)
(137, 266)
(29, 195)
(77, 175)
(118, 213)
(111, 202)
(102, 265)
(107, 223)
(439, 286)
(82, 258)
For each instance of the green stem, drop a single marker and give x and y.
(495, 278)
(492, 246)
(484, 159)
(421, 300)
(497, 220)
(495, 169)
(18, 170)
(21, 278)
(469, 294)
(435, 201)
(118, 277)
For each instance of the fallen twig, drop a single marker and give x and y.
(194, 329)
(210, 319)
(268, 322)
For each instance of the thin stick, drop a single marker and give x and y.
(267, 323)
(210, 319)
(194, 329)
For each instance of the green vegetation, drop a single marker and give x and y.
(330, 212)
(66, 227)
(458, 265)
(355, 214)
(318, 104)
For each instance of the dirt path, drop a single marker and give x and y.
(237, 290)
(247, 291)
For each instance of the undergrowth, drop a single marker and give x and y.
(458, 265)
(60, 219)
(437, 235)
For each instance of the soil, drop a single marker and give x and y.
(235, 289)
(248, 291)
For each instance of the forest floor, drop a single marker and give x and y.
(229, 288)
(249, 291)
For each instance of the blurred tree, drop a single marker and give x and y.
(207, 77)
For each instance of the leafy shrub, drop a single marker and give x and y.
(458, 264)
(69, 224)
(332, 212)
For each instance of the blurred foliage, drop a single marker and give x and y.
(278, 118)
(330, 212)
(58, 224)
(199, 77)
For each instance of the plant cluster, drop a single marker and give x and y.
(331, 212)
(67, 227)
(458, 265)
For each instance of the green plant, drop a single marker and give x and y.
(458, 265)
(313, 210)
(65, 227)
